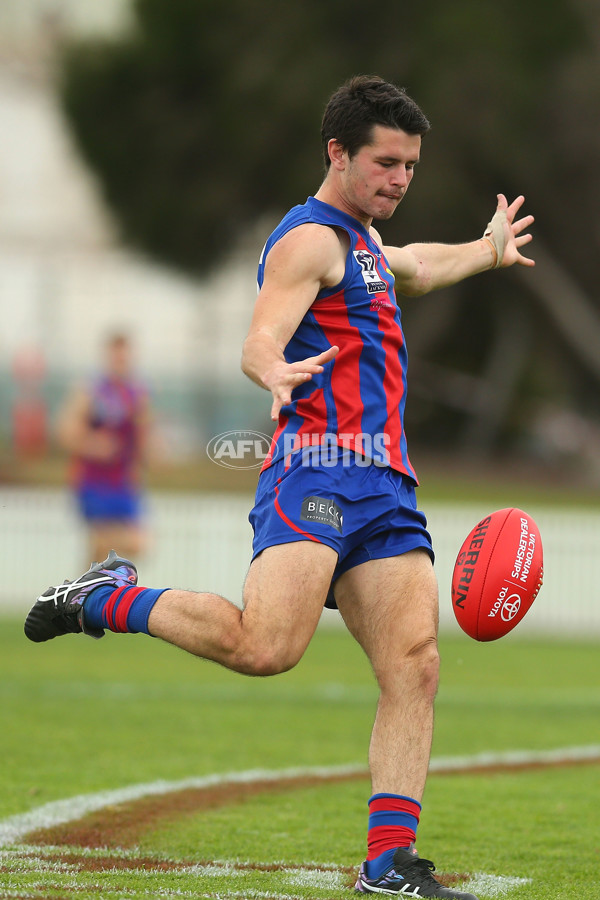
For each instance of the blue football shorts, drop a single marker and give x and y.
(99, 503)
(361, 510)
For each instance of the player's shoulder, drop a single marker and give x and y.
(309, 235)
(308, 246)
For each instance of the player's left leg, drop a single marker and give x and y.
(390, 606)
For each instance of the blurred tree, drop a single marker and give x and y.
(200, 122)
(205, 120)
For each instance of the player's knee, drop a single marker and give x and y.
(275, 663)
(419, 667)
(268, 659)
(427, 659)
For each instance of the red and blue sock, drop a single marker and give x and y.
(122, 609)
(393, 821)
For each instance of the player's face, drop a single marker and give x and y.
(376, 179)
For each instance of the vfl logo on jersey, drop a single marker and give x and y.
(371, 276)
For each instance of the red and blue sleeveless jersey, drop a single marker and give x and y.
(115, 410)
(358, 400)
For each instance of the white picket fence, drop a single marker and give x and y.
(203, 541)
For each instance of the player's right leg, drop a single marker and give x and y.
(59, 610)
(284, 596)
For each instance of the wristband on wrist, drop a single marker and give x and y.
(494, 234)
(494, 251)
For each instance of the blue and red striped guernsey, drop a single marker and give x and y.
(360, 396)
(116, 406)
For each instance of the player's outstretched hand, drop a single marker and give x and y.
(284, 377)
(505, 233)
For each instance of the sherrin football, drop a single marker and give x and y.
(497, 574)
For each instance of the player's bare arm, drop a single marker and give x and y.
(298, 266)
(420, 268)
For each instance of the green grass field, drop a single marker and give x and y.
(80, 717)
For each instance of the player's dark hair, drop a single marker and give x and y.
(363, 102)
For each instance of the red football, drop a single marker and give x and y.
(497, 574)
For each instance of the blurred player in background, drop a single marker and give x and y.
(105, 426)
(335, 519)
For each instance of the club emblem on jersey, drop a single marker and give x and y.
(371, 276)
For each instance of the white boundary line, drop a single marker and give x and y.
(516, 758)
(73, 808)
(14, 828)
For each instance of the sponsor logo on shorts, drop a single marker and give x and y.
(323, 510)
(239, 449)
